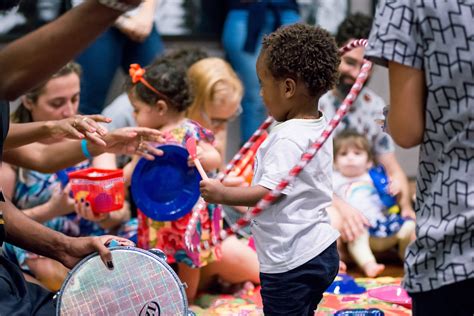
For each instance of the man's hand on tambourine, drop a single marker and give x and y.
(77, 248)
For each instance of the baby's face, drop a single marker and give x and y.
(352, 161)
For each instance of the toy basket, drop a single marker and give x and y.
(103, 189)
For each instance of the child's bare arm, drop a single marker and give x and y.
(213, 191)
(209, 156)
(128, 170)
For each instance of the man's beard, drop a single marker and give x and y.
(8, 4)
(344, 87)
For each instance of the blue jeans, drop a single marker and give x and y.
(100, 61)
(233, 39)
(298, 292)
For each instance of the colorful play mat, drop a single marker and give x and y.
(249, 303)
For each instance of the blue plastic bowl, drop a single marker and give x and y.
(166, 189)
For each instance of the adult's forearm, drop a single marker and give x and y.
(41, 213)
(406, 117)
(26, 133)
(49, 158)
(33, 58)
(24, 232)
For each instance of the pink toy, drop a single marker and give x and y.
(392, 294)
(191, 147)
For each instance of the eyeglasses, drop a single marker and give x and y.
(216, 122)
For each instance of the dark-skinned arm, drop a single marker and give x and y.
(213, 191)
(24, 232)
(406, 117)
(33, 58)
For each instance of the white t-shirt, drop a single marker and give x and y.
(360, 193)
(295, 229)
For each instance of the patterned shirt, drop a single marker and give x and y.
(363, 117)
(437, 37)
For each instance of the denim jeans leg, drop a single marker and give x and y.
(99, 63)
(143, 53)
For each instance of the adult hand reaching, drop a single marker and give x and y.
(132, 141)
(79, 127)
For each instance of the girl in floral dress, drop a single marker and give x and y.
(160, 96)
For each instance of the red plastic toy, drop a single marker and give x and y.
(103, 189)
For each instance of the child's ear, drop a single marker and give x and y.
(289, 86)
(161, 107)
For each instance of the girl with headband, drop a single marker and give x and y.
(160, 97)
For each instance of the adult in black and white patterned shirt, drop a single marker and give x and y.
(429, 48)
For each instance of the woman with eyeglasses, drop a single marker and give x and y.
(217, 95)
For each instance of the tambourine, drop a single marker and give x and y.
(141, 283)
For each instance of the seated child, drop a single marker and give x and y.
(160, 96)
(352, 182)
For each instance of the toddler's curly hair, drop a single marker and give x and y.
(303, 52)
(169, 78)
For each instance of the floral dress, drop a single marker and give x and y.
(169, 235)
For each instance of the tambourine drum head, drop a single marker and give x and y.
(139, 284)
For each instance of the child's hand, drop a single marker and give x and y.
(212, 190)
(83, 209)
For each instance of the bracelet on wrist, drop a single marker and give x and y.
(117, 5)
(85, 151)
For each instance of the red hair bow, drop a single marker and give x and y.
(136, 72)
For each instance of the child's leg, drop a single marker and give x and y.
(298, 291)
(363, 256)
(190, 276)
(405, 235)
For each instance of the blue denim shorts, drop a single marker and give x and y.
(298, 291)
